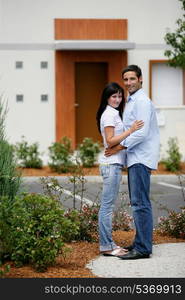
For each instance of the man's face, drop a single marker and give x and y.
(132, 82)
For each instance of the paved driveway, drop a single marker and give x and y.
(166, 193)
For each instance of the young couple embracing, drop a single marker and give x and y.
(131, 138)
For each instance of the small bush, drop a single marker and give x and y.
(10, 179)
(121, 220)
(52, 188)
(173, 225)
(88, 151)
(35, 231)
(60, 156)
(28, 155)
(87, 220)
(9, 176)
(172, 162)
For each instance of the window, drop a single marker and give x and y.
(19, 98)
(44, 64)
(166, 84)
(19, 65)
(44, 97)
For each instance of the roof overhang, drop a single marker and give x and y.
(93, 45)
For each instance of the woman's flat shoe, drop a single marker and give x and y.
(116, 252)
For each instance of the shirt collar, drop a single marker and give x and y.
(112, 108)
(133, 96)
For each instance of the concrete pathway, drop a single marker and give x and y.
(167, 260)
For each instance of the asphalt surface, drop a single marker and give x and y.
(166, 193)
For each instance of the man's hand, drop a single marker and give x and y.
(113, 150)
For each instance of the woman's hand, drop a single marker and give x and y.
(136, 126)
(113, 150)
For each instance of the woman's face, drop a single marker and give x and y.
(115, 99)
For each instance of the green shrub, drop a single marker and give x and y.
(9, 176)
(173, 225)
(5, 227)
(87, 220)
(86, 217)
(37, 231)
(88, 151)
(9, 186)
(60, 156)
(28, 155)
(51, 187)
(172, 162)
(4, 269)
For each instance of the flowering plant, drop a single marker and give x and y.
(173, 225)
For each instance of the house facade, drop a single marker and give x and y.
(56, 57)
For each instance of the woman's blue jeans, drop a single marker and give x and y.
(139, 190)
(111, 174)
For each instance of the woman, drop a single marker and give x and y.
(110, 125)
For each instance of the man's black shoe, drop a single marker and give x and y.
(129, 248)
(134, 254)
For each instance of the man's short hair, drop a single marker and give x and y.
(132, 68)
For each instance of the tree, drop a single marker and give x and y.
(176, 54)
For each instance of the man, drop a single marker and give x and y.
(142, 156)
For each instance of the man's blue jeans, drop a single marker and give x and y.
(111, 174)
(139, 190)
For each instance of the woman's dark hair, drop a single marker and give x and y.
(110, 89)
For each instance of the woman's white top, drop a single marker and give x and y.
(111, 117)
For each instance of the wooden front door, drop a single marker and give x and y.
(90, 79)
(75, 72)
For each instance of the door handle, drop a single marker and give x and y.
(76, 104)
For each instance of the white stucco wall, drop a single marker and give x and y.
(141, 57)
(32, 22)
(31, 118)
(172, 125)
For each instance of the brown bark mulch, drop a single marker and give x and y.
(46, 171)
(74, 264)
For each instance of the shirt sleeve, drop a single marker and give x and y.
(108, 120)
(142, 111)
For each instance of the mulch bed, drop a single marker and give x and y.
(46, 171)
(73, 265)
